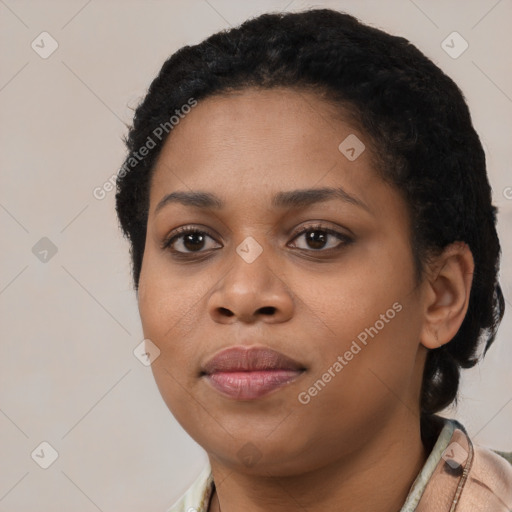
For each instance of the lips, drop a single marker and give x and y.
(249, 373)
(243, 359)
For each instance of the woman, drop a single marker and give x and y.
(315, 258)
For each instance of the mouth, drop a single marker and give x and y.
(250, 373)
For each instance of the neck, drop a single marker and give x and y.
(376, 478)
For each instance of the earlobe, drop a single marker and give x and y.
(447, 296)
(431, 338)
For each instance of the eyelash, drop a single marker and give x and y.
(180, 232)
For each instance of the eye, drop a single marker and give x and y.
(188, 237)
(317, 238)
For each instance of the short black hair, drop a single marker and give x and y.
(415, 116)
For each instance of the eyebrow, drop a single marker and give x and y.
(299, 198)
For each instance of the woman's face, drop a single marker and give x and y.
(345, 307)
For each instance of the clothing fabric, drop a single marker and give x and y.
(456, 477)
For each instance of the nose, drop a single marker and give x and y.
(251, 291)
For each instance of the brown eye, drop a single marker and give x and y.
(320, 237)
(187, 240)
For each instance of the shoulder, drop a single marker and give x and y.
(489, 483)
(493, 468)
(506, 455)
(468, 477)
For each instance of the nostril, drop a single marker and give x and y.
(268, 310)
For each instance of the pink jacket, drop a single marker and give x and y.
(468, 478)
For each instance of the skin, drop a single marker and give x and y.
(357, 442)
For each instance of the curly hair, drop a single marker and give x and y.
(419, 128)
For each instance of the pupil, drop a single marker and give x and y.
(320, 239)
(189, 240)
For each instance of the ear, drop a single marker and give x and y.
(447, 295)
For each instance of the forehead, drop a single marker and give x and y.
(257, 142)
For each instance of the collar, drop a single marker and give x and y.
(438, 487)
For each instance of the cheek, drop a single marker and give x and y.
(166, 307)
(368, 315)
(166, 300)
(166, 311)
(346, 303)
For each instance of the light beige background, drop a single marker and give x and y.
(69, 325)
